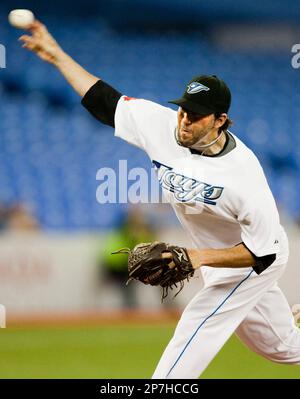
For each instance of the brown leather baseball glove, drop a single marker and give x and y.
(159, 264)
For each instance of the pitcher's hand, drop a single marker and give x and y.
(42, 43)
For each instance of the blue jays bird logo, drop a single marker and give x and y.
(196, 87)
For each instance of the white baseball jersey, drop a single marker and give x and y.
(220, 201)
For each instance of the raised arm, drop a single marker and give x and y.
(98, 97)
(45, 46)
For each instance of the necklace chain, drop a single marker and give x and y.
(206, 146)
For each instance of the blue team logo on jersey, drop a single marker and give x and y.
(196, 87)
(187, 189)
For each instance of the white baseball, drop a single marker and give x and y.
(21, 19)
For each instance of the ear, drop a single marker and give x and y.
(221, 120)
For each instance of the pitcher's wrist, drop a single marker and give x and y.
(195, 257)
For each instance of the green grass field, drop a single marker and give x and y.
(115, 351)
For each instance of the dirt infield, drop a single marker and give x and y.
(109, 317)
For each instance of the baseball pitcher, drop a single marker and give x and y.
(221, 197)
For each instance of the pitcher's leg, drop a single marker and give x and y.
(208, 321)
(269, 329)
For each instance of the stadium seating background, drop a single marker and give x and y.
(51, 148)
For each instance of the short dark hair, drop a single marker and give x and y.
(226, 125)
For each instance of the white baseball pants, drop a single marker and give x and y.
(232, 300)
